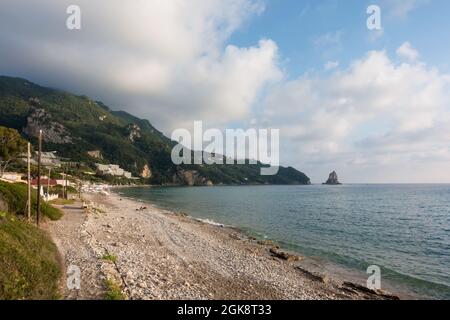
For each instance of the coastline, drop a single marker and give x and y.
(159, 254)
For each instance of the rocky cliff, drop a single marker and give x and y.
(53, 131)
(333, 179)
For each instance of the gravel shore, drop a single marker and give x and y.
(155, 254)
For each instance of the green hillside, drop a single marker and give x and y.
(74, 125)
(28, 258)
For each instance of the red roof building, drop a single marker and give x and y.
(44, 182)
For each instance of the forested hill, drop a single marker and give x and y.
(85, 130)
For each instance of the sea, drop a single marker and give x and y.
(342, 230)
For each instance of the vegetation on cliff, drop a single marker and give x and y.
(87, 131)
(11, 146)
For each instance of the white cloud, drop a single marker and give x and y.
(408, 52)
(402, 8)
(329, 44)
(164, 60)
(375, 115)
(330, 65)
(329, 39)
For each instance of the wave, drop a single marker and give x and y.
(211, 222)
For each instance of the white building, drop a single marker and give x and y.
(12, 177)
(127, 174)
(113, 170)
(49, 159)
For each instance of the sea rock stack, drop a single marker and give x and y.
(333, 179)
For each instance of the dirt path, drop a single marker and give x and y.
(72, 240)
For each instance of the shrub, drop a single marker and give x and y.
(113, 291)
(110, 257)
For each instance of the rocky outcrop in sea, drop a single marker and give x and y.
(333, 179)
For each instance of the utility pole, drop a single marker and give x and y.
(68, 170)
(63, 177)
(38, 209)
(48, 183)
(67, 196)
(29, 182)
(65, 185)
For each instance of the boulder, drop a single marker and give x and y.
(314, 276)
(283, 255)
(267, 243)
(366, 292)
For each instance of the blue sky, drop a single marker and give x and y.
(296, 25)
(374, 106)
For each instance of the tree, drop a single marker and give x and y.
(11, 146)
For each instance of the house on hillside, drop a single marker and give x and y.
(52, 182)
(44, 182)
(127, 174)
(112, 170)
(49, 159)
(11, 177)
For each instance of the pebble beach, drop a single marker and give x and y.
(153, 254)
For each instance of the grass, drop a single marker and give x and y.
(113, 291)
(29, 267)
(15, 195)
(110, 257)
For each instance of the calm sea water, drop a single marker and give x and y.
(404, 229)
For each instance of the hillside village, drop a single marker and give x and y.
(61, 173)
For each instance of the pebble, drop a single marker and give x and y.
(187, 260)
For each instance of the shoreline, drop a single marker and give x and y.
(402, 285)
(312, 264)
(159, 254)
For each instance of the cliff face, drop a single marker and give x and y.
(134, 132)
(96, 154)
(333, 179)
(53, 131)
(146, 172)
(190, 178)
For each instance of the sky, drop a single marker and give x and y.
(372, 105)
